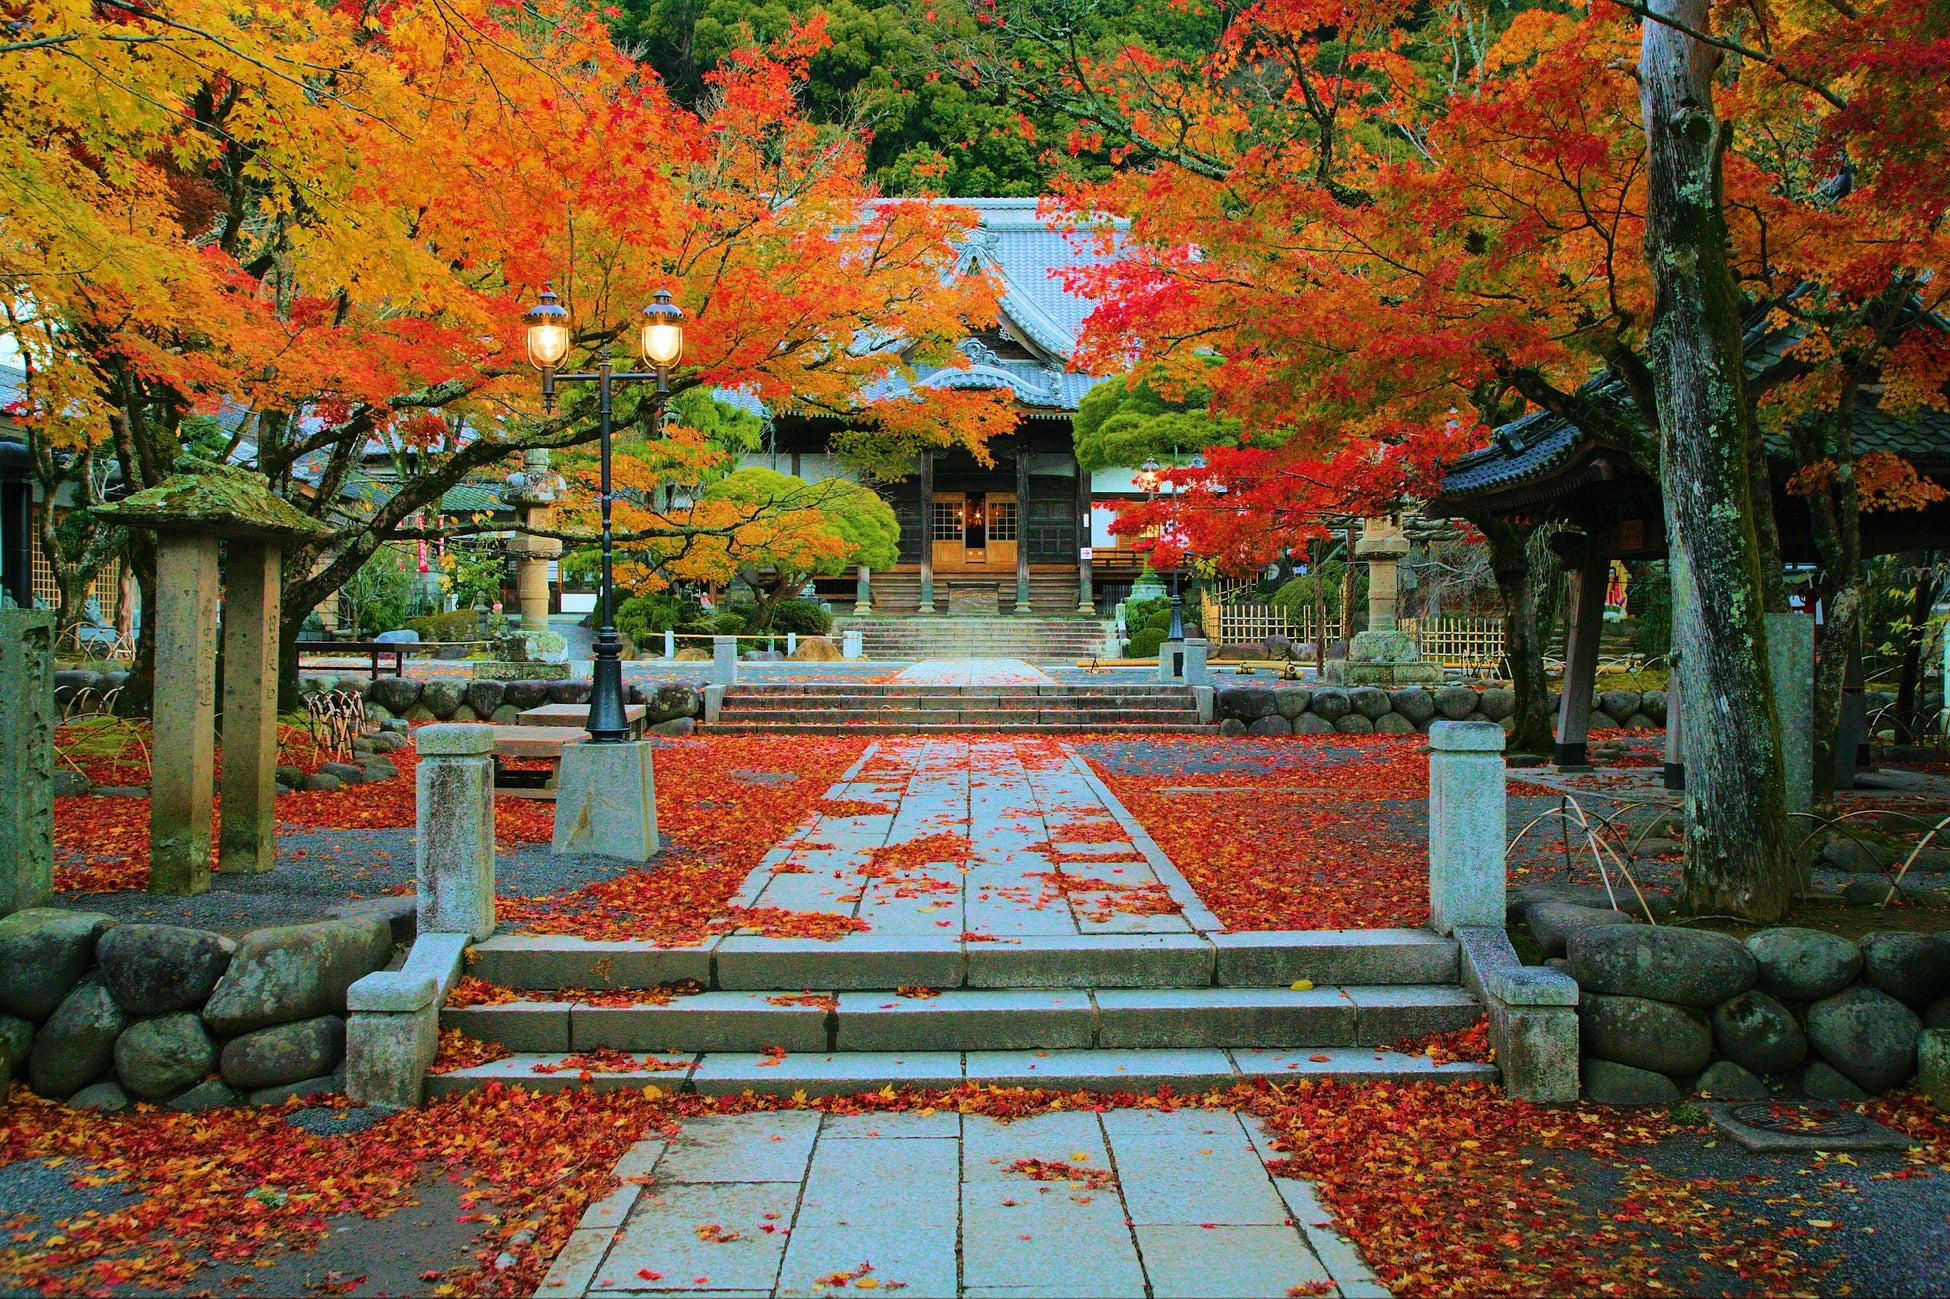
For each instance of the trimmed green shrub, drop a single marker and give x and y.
(641, 616)
(802, 616)
(728, 623)
(459, 624)
(1145, 641)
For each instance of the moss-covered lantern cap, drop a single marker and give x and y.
(213, 500)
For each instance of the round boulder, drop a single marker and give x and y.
(1496, 705)
(1867, 1035)
(1619, 704)
(155, 969)
(674, 726)
(1413, 703)
(1804, 964)
(1641, 722)
(1274, 725)
(1937, 1016)
(1369, 701)
(43, 954)
(321, 782)
(1913, 968)
(1331, 705)
(162, 1057)
(672, 699)
(1247, 703)
(569, 692)
(1821, 1082)
(1455, 703)
(108, 1097)
(1606, 1082)
(283, 1053)
(1231, 727)
(77, 1044)
(1354, 724)
(1645, 1034)
(346, 772)
(1553, 923)
(1291, 701)
(506, 715)
(1693, 967)
(1313, 724)
(463, 714)
(525, 694)
(816, 649)
(210, 1094)
(441, 697)
(1726, 1081)
(485, 696)
(1393, 724)
(294, 972)
(16, 1041)
(1758, 1033)
(395, 694)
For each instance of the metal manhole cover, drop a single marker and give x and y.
(1778, 1126)
(1800, 1120)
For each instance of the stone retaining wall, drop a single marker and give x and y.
(102, 1014)
(1287, 708)
(502, 702)
(1665, 1011)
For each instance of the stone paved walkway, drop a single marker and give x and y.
(1003, 839)
(1128, 1202)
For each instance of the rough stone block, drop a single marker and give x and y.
(606, 801)
(392, 992)
(1537, 1049)
(387, 1056)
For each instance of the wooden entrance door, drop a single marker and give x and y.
(946, 530)
(975, 532)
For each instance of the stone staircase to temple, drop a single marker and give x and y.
(943, 636)
(893, 708)
(1099, 1011)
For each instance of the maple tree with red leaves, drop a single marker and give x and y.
(1389, 254)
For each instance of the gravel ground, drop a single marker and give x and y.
(320, 869)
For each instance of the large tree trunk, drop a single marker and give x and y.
(1525, 631)
(1737, 857)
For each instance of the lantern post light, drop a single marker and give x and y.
(1149, 478)
(662, 344)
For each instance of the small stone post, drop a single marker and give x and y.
(1196, 671)
(1466, 825)
(27, 716)
(724, 661)
(670, 645)
(185, 714)
(791, 643)
(247, 840)
(850, 643)
(454, 853)
(863, 592)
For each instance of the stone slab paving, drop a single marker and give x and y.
(995, 839)
(974, 672)
(1129, 1202)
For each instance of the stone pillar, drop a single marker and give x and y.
(724, 661)
(1022, 528)
(247, 840)
(392, 1032)
(533, 492)
(1791, 663)
(1196, 671)
(863, 591)
(927, 532)
(454, 850)
(1466, 825)
(670, 644)
(1086, 593)
(185, 714)
(27, 717)
(1587, 601)
(1383, 546)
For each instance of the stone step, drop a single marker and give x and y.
(956, 703)
(977, 1019)
(960, 728)
(899, 690)
(883, 962)
(1191, 1072)
(960, 719)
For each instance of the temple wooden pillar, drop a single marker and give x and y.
(1086, 596)
(1587, 601)
(926, 480)
(1022, 528)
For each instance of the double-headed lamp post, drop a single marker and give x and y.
(1149, 479)
(662, 345)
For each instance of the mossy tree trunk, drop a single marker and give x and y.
(1527, 623)
(1737, 857)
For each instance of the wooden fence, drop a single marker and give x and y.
(1474, 644)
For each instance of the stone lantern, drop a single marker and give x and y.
(532, 490)
(1383, 655)
(202, 509)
